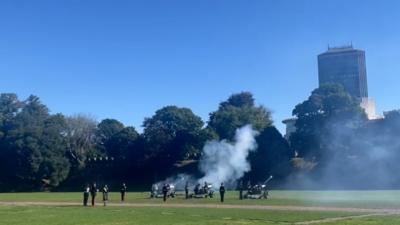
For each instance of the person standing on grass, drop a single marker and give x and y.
(222, 192)
(165, 192)
(105, 195)
(241, 190)
(187, 190)
(86, 192)
(124, 189)
(93, 193)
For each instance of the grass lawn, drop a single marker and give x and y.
(375, 220)
(359, 199)
(39, 215)
(114, 215)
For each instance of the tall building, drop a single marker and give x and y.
(346, 66)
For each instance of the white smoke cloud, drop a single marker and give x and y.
(179, 181)
(225, 162)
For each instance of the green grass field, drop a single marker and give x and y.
(123, 215)
(168, 214)
(358, 199)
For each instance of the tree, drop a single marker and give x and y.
(55, 166)
(272, 157)
(107, 128)
(239, 110)
(81, 139)
(34, 145)
(24, 140)
(119, 144)
(10, 105)
(172, 134)
(329, 108)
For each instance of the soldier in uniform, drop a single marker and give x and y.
(197, 189)
(86, 192)
(93, 193)
(241, 190)
(124, 189)
(165, 191)
(222, 192)
(105, 195)
(187, 190)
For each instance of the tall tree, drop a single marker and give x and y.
(10, 105)
(272, 157)
(107, 128)
(24, 138)
(237, 111)
(35, 147)
(81, 139)
(329, 108)
(55, 166)
(172, 134)
(121, 143)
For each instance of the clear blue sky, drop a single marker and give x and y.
(126, 59)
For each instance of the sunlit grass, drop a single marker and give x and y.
(360, 199)
(40, 215)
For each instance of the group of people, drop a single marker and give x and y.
(93, 189)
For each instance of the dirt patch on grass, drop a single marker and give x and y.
(221, 206)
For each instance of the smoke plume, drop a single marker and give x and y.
(365, 156)
(179, 181)
(225, 162)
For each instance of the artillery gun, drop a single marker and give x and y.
(156, 191)
(203, 192)
(258, 191)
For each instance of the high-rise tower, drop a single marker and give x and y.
(346, 66)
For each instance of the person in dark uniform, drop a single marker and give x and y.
(222, 192)
(124, 189)
(93, 193)
(105, 195)
(197, 189)
(241, 190)
(86, 192)
(187, 190)
(165, 192)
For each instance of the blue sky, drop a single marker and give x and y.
(126, 59)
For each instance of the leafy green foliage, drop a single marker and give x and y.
(173, 134)
(119, 145)
(239, 110)
(330, 105)
(45, 150)
(271, 158)
(107, 128)
(33, 147)
(81, 139)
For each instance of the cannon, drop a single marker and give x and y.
(156, 191)
(258, 191)
(203, 191)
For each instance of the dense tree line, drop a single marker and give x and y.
(40, 150)
(338, 147)
(334, 143)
